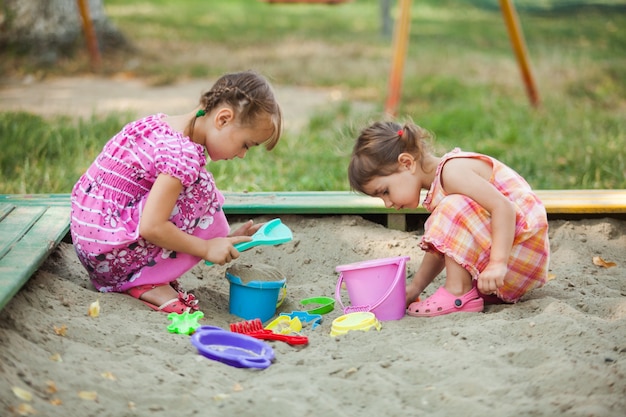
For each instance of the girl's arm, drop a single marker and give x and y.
(155, 227)
(432, 264)
(470, 177)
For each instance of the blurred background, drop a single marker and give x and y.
(460, 80)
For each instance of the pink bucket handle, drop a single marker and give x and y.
(349, 309)
(367, 308)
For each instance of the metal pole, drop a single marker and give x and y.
(401, 41)
(90, 35)
(517, 40)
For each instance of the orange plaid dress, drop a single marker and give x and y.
(460, 228)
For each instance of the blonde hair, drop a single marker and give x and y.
(376, 151)
(250, 96)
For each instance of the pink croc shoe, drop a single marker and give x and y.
(443, 302)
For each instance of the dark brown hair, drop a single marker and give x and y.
(376, 151)
(250, 96)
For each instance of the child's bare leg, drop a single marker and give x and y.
(431, 266)
(458, 279)
(159, 295)
(456, 295)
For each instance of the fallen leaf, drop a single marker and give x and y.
(22, 394)
(108, 375)
(550, 277)
(598, 261)
(131, 405)
(351, 371)
(94, 309)
(56, 357)
(60, 331)
(25, 409)
(88, 395)
(52, 387)
(237, 387)
(56, 401)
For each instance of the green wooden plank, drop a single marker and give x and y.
(347, 202)
(36, 199)
(5, 209)
(28, 253)
(313, 202)
(16, 224)
(257, 202)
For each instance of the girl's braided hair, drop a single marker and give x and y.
(250, 96)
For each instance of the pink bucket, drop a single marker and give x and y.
(377, 286)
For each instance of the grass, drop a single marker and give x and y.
(50, 155)
(461, 82)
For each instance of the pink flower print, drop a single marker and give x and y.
(168, 254)
(205, 180)
(103, 267)
(189, 194)
(110, 217)
(214, 207)
(205, 222)
(141, 248)
(139, 174)
(188, 225)
(117, 256)
(79, 250)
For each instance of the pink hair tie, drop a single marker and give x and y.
(400, 132)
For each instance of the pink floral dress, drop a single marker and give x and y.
(460, 228)
(107, 202)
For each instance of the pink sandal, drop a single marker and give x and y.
(443, 302)
(185, 302)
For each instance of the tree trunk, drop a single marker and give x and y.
(50, 28)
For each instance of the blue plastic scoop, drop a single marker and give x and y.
(273, 232)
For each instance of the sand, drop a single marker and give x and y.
(560, 351)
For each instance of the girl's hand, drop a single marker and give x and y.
(432, 264)
(247, 229)
(492, 278)
(221, 250)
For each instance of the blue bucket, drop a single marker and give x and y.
(255, 299)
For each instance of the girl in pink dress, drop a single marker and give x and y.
(487, 228)
(147, 210)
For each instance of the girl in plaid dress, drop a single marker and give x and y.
(147, 210)
(487, 228)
